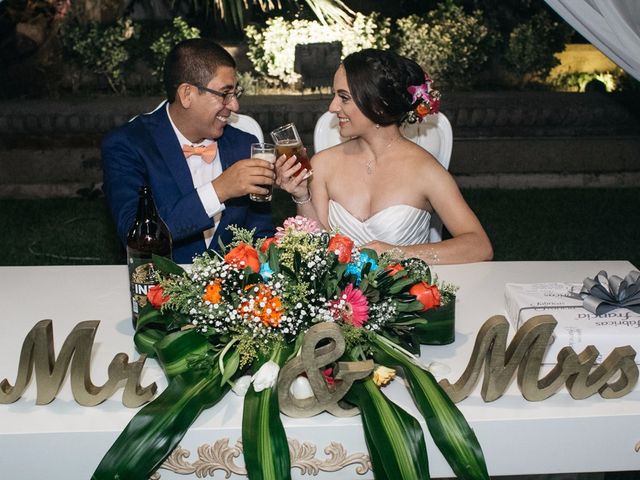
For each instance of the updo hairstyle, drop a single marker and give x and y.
(378, 81)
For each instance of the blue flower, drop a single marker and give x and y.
(265, 271)
(355, 266)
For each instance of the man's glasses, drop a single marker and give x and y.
(226, 96)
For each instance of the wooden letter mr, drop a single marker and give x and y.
(38, 354)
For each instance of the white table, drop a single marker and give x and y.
(65, 440)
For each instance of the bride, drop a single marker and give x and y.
(380, 188)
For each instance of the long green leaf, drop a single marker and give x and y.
(448, 427)
(395, 440)
(264, 441)
(158, 427)
(174, 350)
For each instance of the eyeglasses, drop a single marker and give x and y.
(226, 96)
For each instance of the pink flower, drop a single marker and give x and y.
(297, 224)
(352, 306)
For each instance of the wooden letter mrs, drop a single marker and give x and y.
(526, 352)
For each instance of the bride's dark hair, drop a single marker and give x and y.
(378, 81)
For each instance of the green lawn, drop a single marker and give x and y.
(557, 224)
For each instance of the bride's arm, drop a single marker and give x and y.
(309, 195)
(470, 243)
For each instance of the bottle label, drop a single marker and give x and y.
(142, 276)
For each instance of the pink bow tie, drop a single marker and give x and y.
(207, 153)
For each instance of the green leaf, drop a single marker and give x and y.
(165, 265)
(146, 340)
(400, 285)
(395, 440)
(158, 427)
(175, 349)
(448, 427)
(264, 441)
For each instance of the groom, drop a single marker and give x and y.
(198, 167)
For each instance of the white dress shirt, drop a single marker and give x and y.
(202, 174)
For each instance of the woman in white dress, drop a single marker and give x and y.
(380, 188)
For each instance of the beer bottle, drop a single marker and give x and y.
(149, 235)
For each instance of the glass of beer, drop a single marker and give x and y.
(263, 151)
(288, 143)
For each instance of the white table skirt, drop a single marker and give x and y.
(65, 440)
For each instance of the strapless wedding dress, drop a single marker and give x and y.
(397, 225)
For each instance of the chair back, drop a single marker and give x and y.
(434, 134)
(246, 124)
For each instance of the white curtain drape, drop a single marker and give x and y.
(612, 26)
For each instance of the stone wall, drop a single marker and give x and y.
(509, 140)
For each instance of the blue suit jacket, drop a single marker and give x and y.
(146, 151)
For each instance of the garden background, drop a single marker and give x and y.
(546, 129)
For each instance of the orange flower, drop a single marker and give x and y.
(212, 293)
(264, 305)
(243, 253)
(427, 295)
(394, 268)
(422, 110)
(156, 296)
(264, 248)
(341, 246)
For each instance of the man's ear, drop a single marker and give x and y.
(185, 94)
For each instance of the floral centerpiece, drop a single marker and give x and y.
(233, 320)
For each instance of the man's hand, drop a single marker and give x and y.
(244, 177)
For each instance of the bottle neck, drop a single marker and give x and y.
(146, 206)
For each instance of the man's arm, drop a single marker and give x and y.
(126, 167)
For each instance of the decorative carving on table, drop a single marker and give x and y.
(222, 456)
(525, 353)
(38, 354)
(311, 361)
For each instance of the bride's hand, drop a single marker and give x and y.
(290, 176)
(379, 247)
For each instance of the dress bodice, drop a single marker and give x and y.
(396, 225)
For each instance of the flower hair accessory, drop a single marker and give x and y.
(425, 98)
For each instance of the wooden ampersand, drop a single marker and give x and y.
(311, 361)
(525, 353)
(38, 354)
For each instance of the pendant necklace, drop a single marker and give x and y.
(370, 161)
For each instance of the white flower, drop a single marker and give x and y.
(242, 385)
(301, 388)
(266, 376)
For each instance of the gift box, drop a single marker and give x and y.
(577, 327)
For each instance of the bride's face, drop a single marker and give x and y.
(351, 120)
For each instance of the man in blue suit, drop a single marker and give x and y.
(198, 167)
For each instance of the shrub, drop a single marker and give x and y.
(532, 45)
(100, 48)
(272, 49)
(161, 47)
(449, 44)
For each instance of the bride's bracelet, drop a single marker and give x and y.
(302, 202)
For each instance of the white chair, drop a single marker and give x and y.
(434, 135)
(247, 124)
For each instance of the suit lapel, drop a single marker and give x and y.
(169, 148)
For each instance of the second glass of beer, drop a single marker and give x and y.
(263, 151)
(288, 143)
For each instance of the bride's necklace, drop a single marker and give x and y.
(370, 160)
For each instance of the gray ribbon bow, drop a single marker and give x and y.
(603, 294)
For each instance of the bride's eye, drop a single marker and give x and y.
(344, 98)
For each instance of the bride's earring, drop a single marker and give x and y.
(377, 125)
